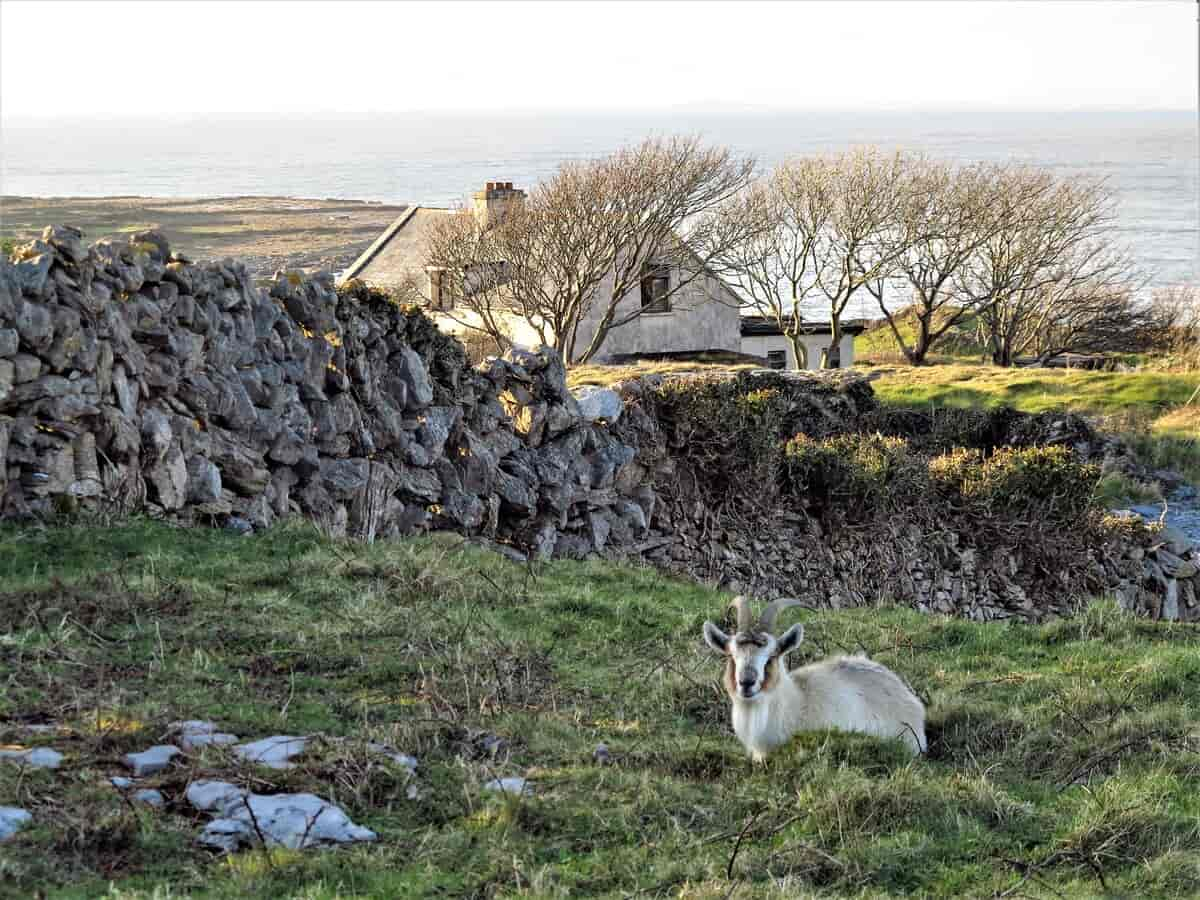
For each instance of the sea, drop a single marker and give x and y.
(1148, 158)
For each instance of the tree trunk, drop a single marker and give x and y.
(831, 357)
(922, 343)
(799, 351)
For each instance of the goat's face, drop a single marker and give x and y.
(752, 659)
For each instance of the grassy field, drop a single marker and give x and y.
(1033, 390)
(878, 343)
(1145, 407)
(1065, 758)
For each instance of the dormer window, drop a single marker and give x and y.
(656, 285)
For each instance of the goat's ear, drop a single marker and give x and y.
(716, 638)
(791, 639)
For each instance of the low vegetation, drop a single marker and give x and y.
(1064, 760)
(878, 345)
(702, 363)
(1149, 409)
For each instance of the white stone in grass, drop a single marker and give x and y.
(120, 782)
(12, 820)
(152, 761)
(38, 757)
(274, 752)
(599, 403)
(403, 759)
(225, 834)
(295, 821)
(213, 796)
(190, 742)
(518, 787)
(195, 733)
(150, 797)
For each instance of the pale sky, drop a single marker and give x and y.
(172, 58)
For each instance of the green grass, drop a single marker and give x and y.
(705, 363)
(1065, 758)
(1147, 408)
(878, 343)
(1035, 390)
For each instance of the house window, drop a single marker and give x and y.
(777, 359)
(656, 283)
(436, 298)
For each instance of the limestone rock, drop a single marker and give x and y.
(411, 369)
(274, 752)
(195, 733)
(516, 787)
(598, 404)
(12, 820)
(151, 761)
(150, 797)
(294, 821)
(210, 796)
(37, 757)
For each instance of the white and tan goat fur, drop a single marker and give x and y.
(770, 704)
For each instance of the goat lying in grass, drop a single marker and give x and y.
(770, 704)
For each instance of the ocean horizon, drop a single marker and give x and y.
(1149, 158)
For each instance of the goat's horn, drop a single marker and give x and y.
(766, 622)
(745, 618)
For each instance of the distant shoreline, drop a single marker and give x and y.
(199, 198)
(267, 232)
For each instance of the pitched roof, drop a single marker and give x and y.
(398, 252)
(764, 326)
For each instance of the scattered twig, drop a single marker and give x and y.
(262, 839)
(738, 844)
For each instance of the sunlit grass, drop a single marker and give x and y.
(1060, 754)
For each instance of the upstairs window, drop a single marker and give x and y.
(777, 359)
(656, 284)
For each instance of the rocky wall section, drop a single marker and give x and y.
(773, 547)
(132, 379)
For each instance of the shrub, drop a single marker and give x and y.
(855, 472)
(730, 431)
(1045, 481)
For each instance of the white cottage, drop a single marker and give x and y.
(762, 337)
(701, 315)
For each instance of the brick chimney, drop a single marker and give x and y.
(494, 201)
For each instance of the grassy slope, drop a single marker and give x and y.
(1145, 406)
(1063, 757)
(879, 342)
(1034, 390)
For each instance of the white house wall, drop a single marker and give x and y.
(814, 344)
(696, 321)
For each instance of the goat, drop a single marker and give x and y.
(770, 704)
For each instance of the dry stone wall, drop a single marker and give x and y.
(769, 545)
(136, 380)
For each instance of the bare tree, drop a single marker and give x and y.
(950, 213)
(566, 258)
(775, 265)
(819, 229)
(1050, 279)
(867, 232)
(1178, 310)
